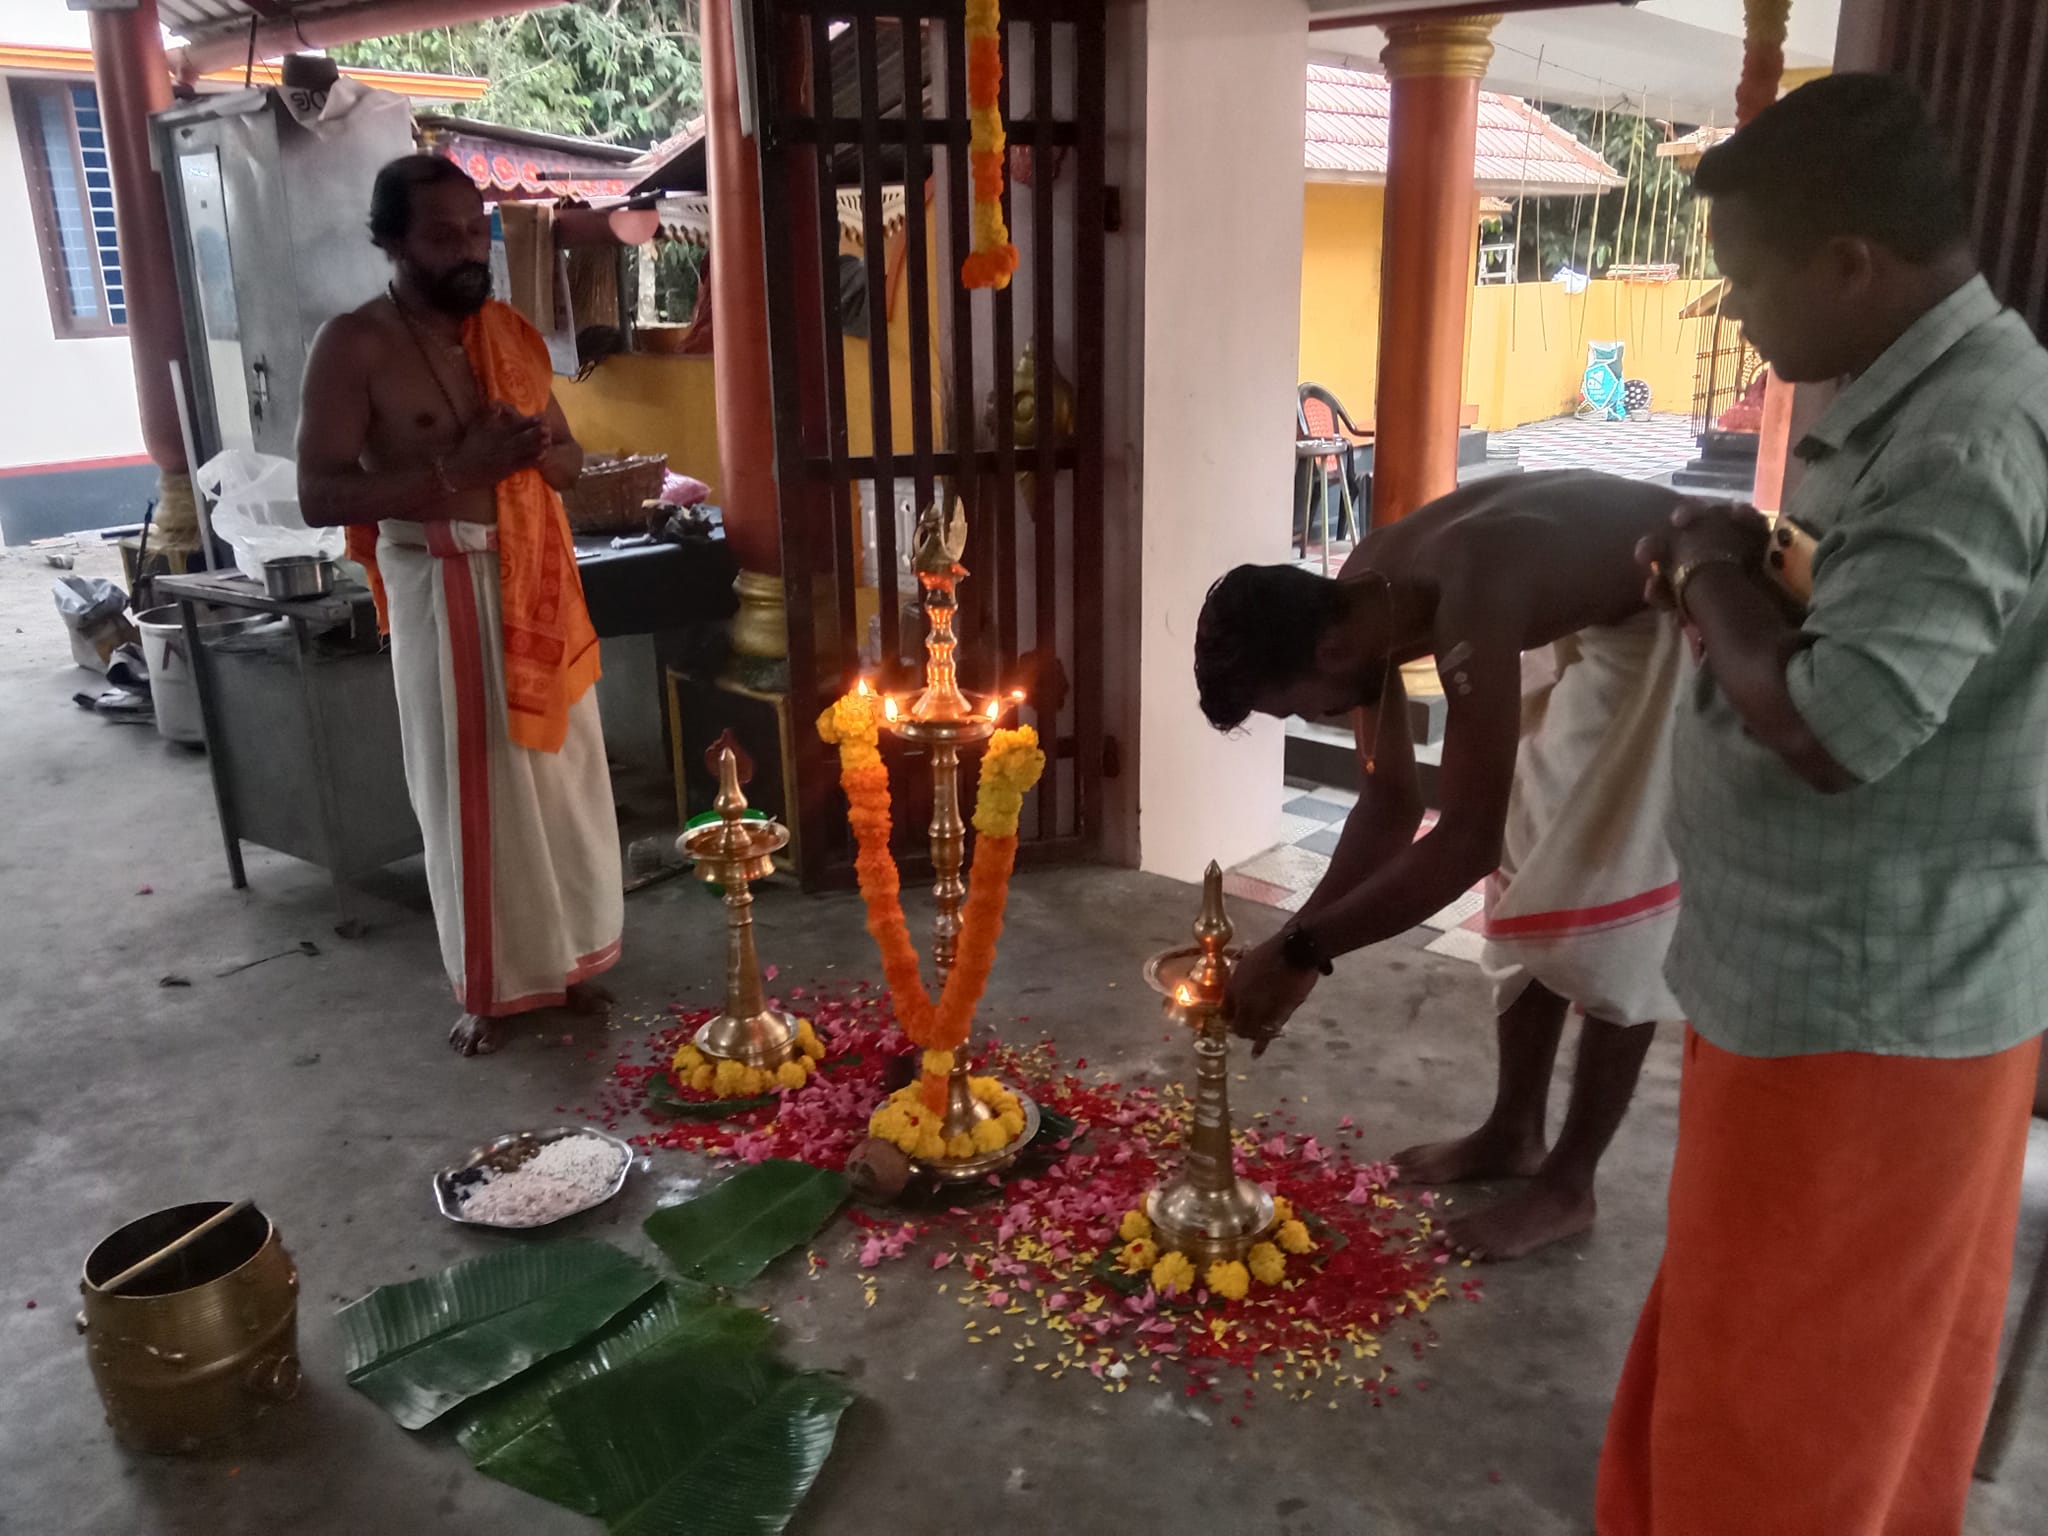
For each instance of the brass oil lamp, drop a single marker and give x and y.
(1206, 1211)
(733, 852)
(943, 719)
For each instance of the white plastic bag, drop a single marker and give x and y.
(256, 509)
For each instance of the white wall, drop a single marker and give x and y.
(60, 400)
(1222, 285)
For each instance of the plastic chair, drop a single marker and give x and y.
(1321, 422)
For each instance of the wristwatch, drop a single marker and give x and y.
(1298, 947)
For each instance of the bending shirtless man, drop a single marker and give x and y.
(431, 432)
(1568, 832)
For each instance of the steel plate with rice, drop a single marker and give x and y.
(534, 1178)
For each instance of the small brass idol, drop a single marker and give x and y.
(1206, 1211)
(733, 852)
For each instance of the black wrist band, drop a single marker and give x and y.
(1298, 947)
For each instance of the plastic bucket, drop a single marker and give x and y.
(171, 685)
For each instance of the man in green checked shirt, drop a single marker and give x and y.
(1860, 817)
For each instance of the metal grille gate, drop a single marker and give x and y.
(858, 96)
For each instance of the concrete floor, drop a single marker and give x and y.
(323, 1087)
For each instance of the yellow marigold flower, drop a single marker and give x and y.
(688, 1059)
(1293, 1236)
(991, 1136)
(1283, 1209)
(938, 1063)
(1268, 1264)
(1139, 1254)
(850, 726)
(931, 1147)
(807, 1039)
(960, 1148)
(1009, 771)
(701, 1077)
(1173, 1274)
(1012, 1122)
(1136, 1224)
(791, 1074)
(1230, 1281)
(729, 1078)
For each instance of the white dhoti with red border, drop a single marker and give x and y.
(1586, 896)
(522, 847)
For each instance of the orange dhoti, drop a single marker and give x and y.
(1817, 1353)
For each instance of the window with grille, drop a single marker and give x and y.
(71, 187)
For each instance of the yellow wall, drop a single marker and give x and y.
(639, 403)
(1340, 292)
(1525, 350)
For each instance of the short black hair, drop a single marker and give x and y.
(1844, 155)
(391, 195)
(1259, 629)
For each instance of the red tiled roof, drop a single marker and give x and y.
(1519, 150)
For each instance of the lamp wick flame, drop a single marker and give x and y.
(995, 709)
(1182, 995)
(862, 687)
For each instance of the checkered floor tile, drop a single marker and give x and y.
(1639, 450)
(1284, 874)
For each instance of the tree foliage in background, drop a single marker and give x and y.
(1653, 218)
(622, 71)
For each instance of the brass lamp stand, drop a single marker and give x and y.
(1206, 1211)
(733, 852)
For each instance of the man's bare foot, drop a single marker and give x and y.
(1485, 1154)
(588, 999)
(1521, 1223)
(474, 1036)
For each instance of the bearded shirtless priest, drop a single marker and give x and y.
(430, 431)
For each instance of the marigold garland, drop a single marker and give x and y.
(1763, 56)
(1010, 768)
(992, 259)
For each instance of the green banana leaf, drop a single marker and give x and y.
(733, 1231)
(424, 1347)
(709, 1439)
(511, 1435)
(662, 1099)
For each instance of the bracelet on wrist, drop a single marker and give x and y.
(1681, 577)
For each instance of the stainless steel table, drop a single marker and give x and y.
(301, 731)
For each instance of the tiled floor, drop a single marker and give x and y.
(1639, 450)
(1284, 874)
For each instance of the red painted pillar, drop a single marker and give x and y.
(133, 81)
(1426, 274)
(739, 350)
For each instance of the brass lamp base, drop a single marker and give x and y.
(982, 1164)
(767, 1039)
(1210, 1226)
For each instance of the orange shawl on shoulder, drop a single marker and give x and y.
(550, 646)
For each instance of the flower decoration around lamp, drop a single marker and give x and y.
(955, 1125)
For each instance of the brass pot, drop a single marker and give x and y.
(198, 1347)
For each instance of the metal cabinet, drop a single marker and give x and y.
(269, 224)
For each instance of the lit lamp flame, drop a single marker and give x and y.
(862, 687)
(888, 706)
(1182, 995)
(995, 709)
(1016, 695)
